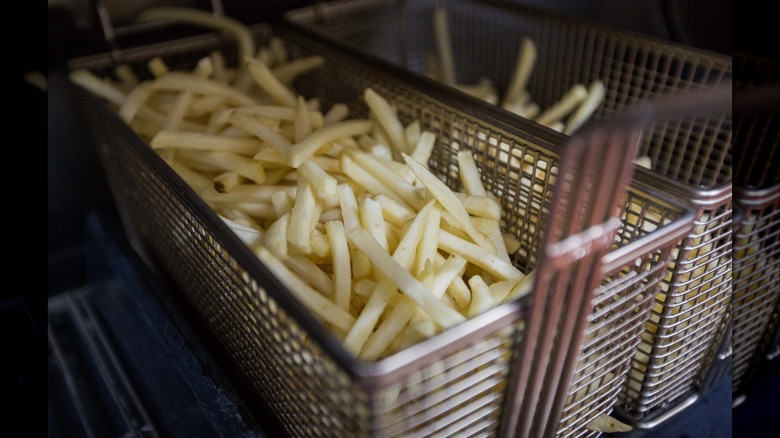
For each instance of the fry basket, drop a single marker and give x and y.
(756, 304)
(457, 380)
(690, 156)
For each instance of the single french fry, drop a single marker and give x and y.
(100, 87)
(227, 181)
(475, 254)
(319, 179)
(301, 151)
(264, 132)
(444, 46)
(288, 71)
(276, 236)
(387, 119)
(337, 113)
(266, 80)
(301, 218)
(524, 65)
(342, 276)
(302, 121)
(571, 100)
(481, 299)
(422, 151)
(200, 141)
(596, 93)
(469, 174)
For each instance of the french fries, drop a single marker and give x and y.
(567, 115)
(343, 209)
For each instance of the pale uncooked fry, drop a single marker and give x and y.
(262, 131)
(302, 121)
(276, 236)
(301, 217)
(412, 133)
(460, 293)
(311, 272)
(384, 263)
(247, 234)
(320, 180)
(227, 181)
(422, 151)
(134, 100)
(301, 151)
(342, 275)
(394, 212)
(449, 201)
(511, 243)
(389, 328)
(366, 180)
(318, 304)
(372, 220)
(451, 269)
(387, 119)
(522, 288)
(278, 50)
(644, 161)
(126, 76)
(530, 111)
(469, 174)
(157, 66)
(480, 206)
(429, 245)
(596, 94)
(407, 192)
(350, 216)
(266, 80)
(481, 299)
(478, 256)
(571, 100)
(290, 70)
(497, 237)
(557, 126)
(208, 142)
(218, 67)
(363, 287)
(98, 86)
(271, 157)
(244, 40)
(380, 297)
(246, 167)
(180, 81)
(204, 68)
(524, 65)
(444, 45)
(336, 113)
(206, 105)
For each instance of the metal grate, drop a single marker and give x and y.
(691, 156)
(453, 380)
(756, 273)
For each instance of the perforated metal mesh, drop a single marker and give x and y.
(692, 155)
(756, 274)
(449, 382)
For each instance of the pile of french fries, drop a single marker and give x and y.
(567, 115)
(344, 210)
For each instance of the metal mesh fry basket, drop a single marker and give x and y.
(689, 156)
(454, 381)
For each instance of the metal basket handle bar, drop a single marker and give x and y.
(109, 31)
(596, 168)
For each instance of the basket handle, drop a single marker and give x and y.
(596, 168)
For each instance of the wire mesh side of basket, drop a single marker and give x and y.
(756, 273)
